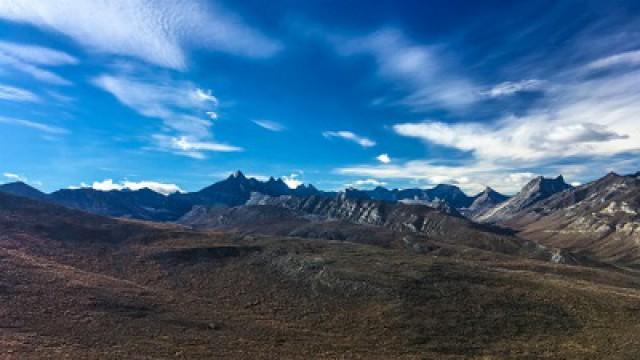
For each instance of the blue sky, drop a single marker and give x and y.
(177, 94)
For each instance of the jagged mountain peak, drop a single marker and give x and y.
(488, 190)
(353, 193)
(546, 185)
(237, 175)
(536, 190)
(490, 193)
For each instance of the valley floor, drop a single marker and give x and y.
(172, 294)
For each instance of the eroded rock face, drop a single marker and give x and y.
(524, 202)
(361, 211)
(483, 202)
(443, 225)
(602, 217)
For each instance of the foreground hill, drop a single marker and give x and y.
(80, 286)
(601, 219)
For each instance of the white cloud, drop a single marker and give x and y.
(109, 185)
(156, 98)
(162, 188)
(11, 93)
(384, 158)
(37, 55)
(159, 32)
(14, 177)
(365, 183)
(424, 71)
(191, 147)
(33, 125)
(31, 59)
(269, 125)
(348, 135)
(517, 139)
(471, 177)
(593, 116)
(205, 96)
(181, 106)
(292, 180)
(509, 88)
(625, 58)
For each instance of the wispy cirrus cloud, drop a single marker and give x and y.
(588, 115)
(591, 116)
(11, 93)
(190, 146)
(161, 98)
(508, 88)
(424, 71)
(50, 129)
(32, 60)
(629, 58)
(269, 125)
(185, 110)
(158, 32)
(350, 136)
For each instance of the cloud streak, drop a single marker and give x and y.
(350, 136)
(14, 177)
(53, 130)
(182, 107)
(583, 115)
(269, 125)
(10, 93)
(424, 71)
(31, 60)
(508, 88)
(158, 32)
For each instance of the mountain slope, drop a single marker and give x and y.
(76, 285)
(601, 218)
(524, 202)
(21, 189)
(483, 202)
(141, 204)
(310, 216)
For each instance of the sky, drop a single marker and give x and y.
(175, 95)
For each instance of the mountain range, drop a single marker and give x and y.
(368, 278)
(599, 220)
(235, 190)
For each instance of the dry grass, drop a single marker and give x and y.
(149, 292)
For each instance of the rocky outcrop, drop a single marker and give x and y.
(524, 202)
(601, 218)
(426, 221)
(483, 202)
